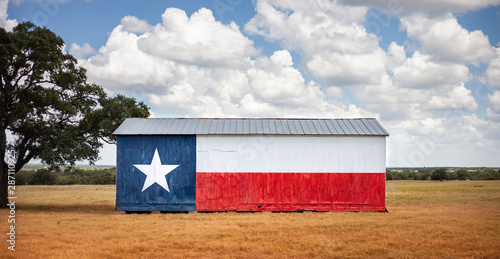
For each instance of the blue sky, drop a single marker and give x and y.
(428, 70)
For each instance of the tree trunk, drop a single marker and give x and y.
(3, 170)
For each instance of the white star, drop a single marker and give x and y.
(156, 172)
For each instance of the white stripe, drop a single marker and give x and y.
(301, 154)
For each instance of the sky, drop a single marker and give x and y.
(428, 70)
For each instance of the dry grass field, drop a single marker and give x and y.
(426, 219)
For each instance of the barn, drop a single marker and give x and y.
(248, 164)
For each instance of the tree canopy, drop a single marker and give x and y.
(439, 174)
(47, 106)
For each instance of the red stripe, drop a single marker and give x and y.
(290, 191)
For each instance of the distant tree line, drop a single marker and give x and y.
(66, 176)
(441, 174)
(108, 175)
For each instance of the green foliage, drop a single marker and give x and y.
(401, 175)
(440, 174)
(114, 111)
(24, 177)
(452, 175)
(107, 178)
(488, 174)
(463, 174)
(43, 177)
(425, 175)
(67, 177)
(443, 174)
(389, 175)
(412, 175)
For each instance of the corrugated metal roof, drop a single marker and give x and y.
(240, 126)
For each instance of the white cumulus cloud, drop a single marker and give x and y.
(120, 64)
(493, 112)
(134, 24)
(495, 101)
(275, 81)
(198, 39)
(459, 98)
(334, 91)
(493, 70)
(7, 24)
(197, 66)
(444, 38)
(330, 38)
(420, 71)
(81, 51)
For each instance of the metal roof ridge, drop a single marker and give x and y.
(258, 126)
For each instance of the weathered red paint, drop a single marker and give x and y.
(290, 191)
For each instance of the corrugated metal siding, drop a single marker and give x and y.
(297, 154)
(191, 126)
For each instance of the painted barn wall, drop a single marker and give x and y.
(273, 153)
(174, 150)
(288, 173)
(249, 172)
(290, 191)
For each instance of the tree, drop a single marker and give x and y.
(412, 175)
(48, 107)
(388, 175)
(426, 175)
(463, 174)
(489, 174)
(439, 174)
(43, 177)
(452, 175)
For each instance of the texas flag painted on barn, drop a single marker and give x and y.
(250, 165)
(156, 173)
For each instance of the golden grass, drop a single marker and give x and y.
(426, 219)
